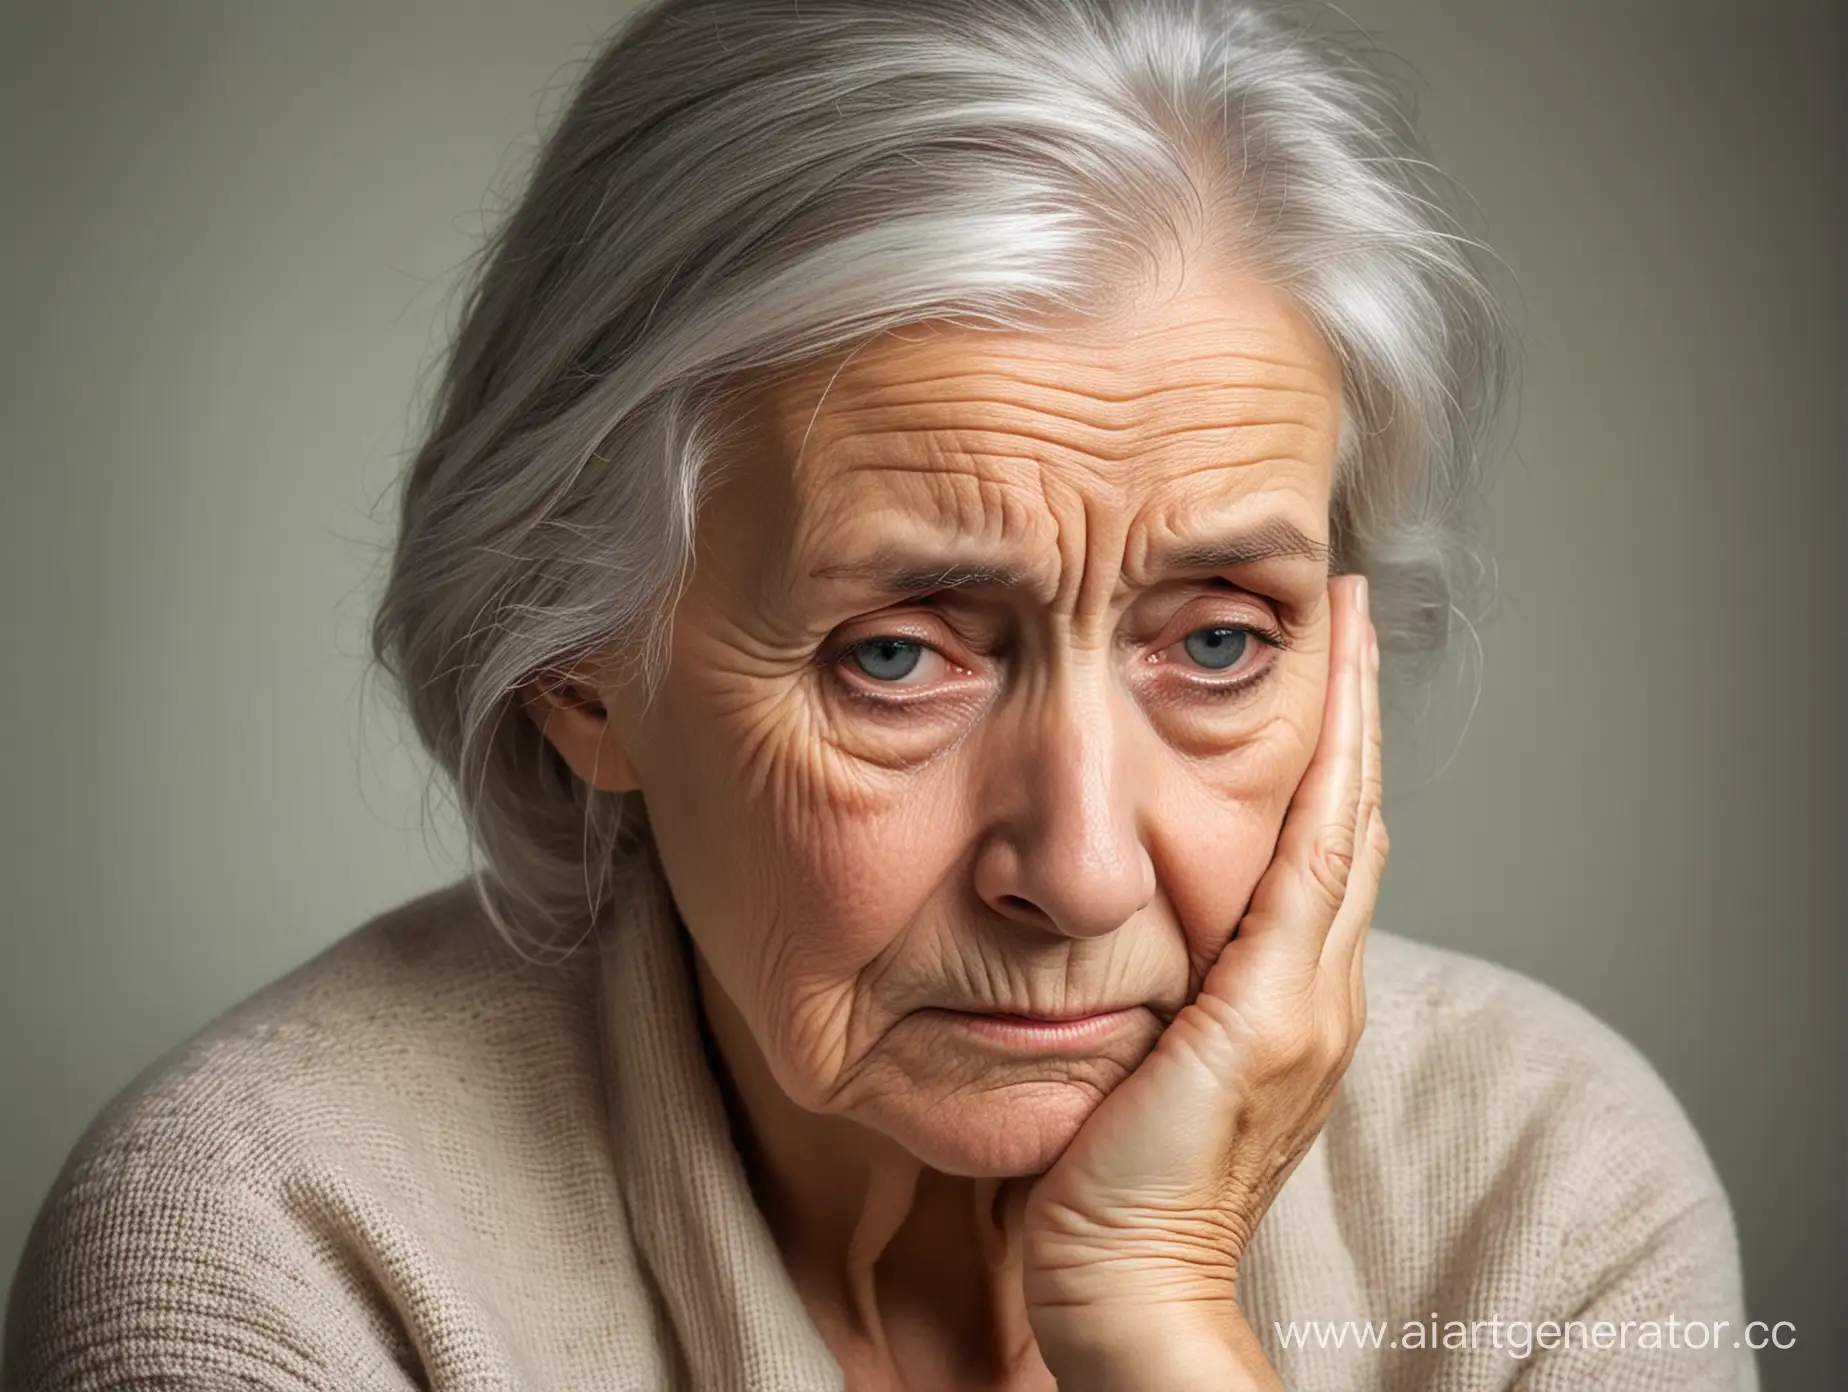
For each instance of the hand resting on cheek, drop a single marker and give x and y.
(1133, 1239)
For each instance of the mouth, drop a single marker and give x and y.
(1042, 1033)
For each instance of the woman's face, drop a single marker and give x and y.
(1001, 659)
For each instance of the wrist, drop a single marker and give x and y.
(1153, 1349)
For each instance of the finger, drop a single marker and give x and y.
(1302, 891)
(1357, 986)
(1354, 925)
(1370, 825)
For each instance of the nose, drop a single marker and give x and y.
(1062, 847)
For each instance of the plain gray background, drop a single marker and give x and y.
(230, 230)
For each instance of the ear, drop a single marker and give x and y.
(576, 721)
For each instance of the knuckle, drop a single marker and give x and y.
(1287, 1052)
(1315, 1049)
(1331, 861)
(1332, 1045)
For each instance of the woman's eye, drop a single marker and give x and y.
(1217, 648)
(887, 659)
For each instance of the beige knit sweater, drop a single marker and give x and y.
(420, 1161)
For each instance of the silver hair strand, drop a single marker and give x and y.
(740, 186)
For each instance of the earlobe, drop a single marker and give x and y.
(575, 720)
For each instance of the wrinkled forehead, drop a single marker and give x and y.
(1176, 413)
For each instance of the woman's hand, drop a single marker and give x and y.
(1133, 1239)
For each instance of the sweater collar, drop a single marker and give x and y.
(738, 1318)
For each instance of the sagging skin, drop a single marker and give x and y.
(1001, 659)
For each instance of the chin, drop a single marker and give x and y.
(1016, 1129)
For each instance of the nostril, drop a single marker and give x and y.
(1022, 910)
(1027, 913)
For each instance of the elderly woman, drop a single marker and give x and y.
(898, 579)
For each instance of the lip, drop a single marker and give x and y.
(1042, 1033)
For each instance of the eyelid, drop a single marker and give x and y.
(866, 688)
(1214, 611)
(1268, 629)
(1270, 636)
(902, 627)
(1270, 633)
(896, 698)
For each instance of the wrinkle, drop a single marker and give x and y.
(891, 1191)
(1062, 383)
(852, 856)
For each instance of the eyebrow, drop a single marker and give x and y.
(1273, 539)
(894, 575)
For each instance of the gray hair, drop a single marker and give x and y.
(740, 186)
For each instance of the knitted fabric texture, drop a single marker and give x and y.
(422, 1161)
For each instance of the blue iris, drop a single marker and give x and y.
(887, 659)
(1217, 648)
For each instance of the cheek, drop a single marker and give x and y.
(798, 870)
(867, 862)
(1220, 833)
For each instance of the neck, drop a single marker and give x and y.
(879, 1244)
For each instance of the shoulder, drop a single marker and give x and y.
(394, 1101)
(1450, 1034)
(421, 1022)
(1512, 1116)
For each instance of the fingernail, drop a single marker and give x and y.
(1374, 640)
(1360, 595)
